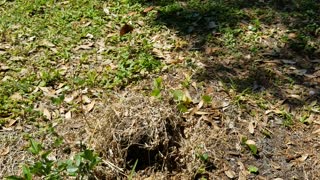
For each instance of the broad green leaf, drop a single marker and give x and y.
(157, 83)
(72, 170)
(206, 99)
(252, 146)
(253, 169)
(178, 95)
(204, 157)
(182, 107)
(156, 93)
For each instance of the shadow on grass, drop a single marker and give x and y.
(287, 56)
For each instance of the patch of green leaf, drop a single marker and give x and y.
(253, 169)
(82, 165)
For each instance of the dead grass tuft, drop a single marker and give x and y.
(133, 127)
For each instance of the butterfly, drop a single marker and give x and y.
(125, 29)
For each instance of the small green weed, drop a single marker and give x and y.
(81, 166)
(157, 87)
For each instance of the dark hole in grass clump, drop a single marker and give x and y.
(146, 158)
(164, 154)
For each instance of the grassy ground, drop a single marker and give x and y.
(188, 89)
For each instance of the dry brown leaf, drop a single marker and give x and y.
(200, 104)
(250, 142)
(194, 85)
(295, 96)
(243, 173)
(46, 43)
(211, 50)
(148, 9)
(86, 46)
(11, 122)
(316, 131)
(273, 111)
(4, 151)
(85, 24)
(303, 157)
(132, 13)
(3, 52)
(70, 98)
(125, 29)
(275, 166)
(89, 107)
(85, 99)
(203, 113)
(54, 50)
(16, 96)
(292, 35)
(46, 113)
(48, 91)
(230, 174)
(68, 115)
(251, 127)
(192, 111)
(4, 67)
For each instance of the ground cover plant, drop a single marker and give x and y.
(141, 89)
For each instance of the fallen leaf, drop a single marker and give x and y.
(211, 50)
(70, 98)
(90, 36)
(251, 127)
(89, 107)
(275, 166)
(68, 115)
(86, 46)
(54, 50)
(294, 96)
(148, 9)
(132, 13)
(203, 113)
(46, 113)
(85, 24)
(48, 91)
(125, 29)
(11, 122)
(16, 96)
(46, 43)
(4, 67)
(292, 35)
(4, 151)
(230, 174)
(285, 61)
(85, 99)
(252, 146)
(316, 131)
(106, 10)
(303, 158)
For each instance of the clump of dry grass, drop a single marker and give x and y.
(134, 127)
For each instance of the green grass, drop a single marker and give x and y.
(42, 37)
